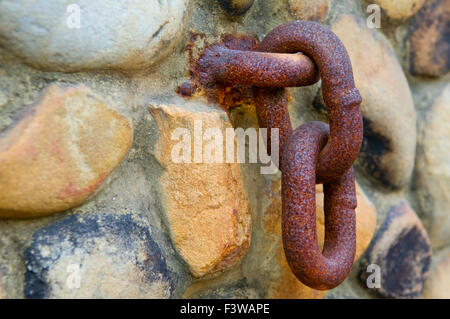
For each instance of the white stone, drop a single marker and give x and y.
(123, 35)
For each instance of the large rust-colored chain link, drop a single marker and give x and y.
(312, 153)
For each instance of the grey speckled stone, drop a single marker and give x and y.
(112, 34)
(115, 257)
(432, 171)
(239, 290)
(3, 99)
(3, 293)
(402, 250)
(438, 285)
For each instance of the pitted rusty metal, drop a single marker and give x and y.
(272, 111)
(341, 97)
(314, 152)
(221, 64)
(316, 269)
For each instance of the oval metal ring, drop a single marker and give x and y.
(319, 270)
(341, 97)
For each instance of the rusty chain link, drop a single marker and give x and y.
(293, 54)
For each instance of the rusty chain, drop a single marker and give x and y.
(294, 54)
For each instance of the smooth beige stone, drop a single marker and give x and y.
(205, 203)
(60, 152)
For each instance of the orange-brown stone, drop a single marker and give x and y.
(429, 41)
(316, 10)
(205, 203)
(60, 152)
(287, 285)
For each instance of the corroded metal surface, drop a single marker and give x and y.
(314, 152)
(341, 97)
(221, 64)
(272, 111)
(316, 269)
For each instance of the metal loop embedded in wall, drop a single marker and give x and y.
(293, 54)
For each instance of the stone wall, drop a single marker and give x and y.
(92, 206)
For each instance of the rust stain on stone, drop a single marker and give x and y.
(226, 70)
